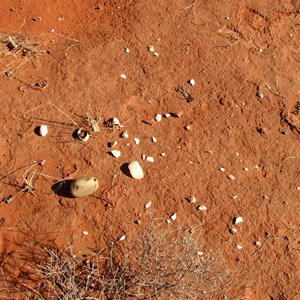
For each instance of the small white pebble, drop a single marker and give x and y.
(151, 48)
(127, 50)
(137, 141)
(192, 199)
(167, 115)
(162, 154)
(122, 238)
(239, 247)
(237, 220)
(168, 221)
(222, 169)
(237, 154)
(298, 188)
(227, 18)
(200, 253)
(123, 76)
(116, 153)
(232, 230)
(43, 130)
(188, 127)
(258, 243)
(192, 82)
(150, 159)
(85, 232)
(231, 177)
(155, 54)
(245, 169)
(173, 217)
(202, 207)
(148, 204)
(125, 134)
(234, 197)
(116, 122)
(52, 30)
(158, 118)
(261, 50)
(154, 139)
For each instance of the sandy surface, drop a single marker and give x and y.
(244, 58)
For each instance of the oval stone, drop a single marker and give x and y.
(84, 186)
(135, 170)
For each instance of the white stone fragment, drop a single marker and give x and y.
(200, 253)
(148, 204)
(237, 220)
(85, 232)
(245, 169)
(163, 154)
(192, 82)
(137, 141)
(167, 115)
(154, 139)
(258, 243)
(150, 159)
(155, 54)
(192, 199)
(151, 48)
(125, 134)
(116, 122)
(136, 170)
(158, 118)
(168, 221)
(221, 169)
(122, 237)
(123, 76)
(173, 217)
(202, 207)
(231, 177)
(43, 130)
(239, 247)
(233, 230)
(127, 50)
(116, 153)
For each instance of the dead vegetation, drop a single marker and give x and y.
(159, 265)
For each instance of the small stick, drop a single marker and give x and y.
(290, 157)
(63, 113)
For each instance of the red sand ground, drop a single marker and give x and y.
(232, 51)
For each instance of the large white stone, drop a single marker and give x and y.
(136, 170)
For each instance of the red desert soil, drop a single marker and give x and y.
(244, 118)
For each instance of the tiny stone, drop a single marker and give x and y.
(298, 188)
(259, 95)
(192, 82)
(137, 141)
(237, 220)
(188, 127)
(154, 139)
(200, 253)
(173, 217)
(137, 222)
(167, 115)
(116, 153)
(155, 54)
(123, 76)
(162, 154)
(232, 230)
(245, 169)
(234, 197)
(144, 157)
(127, 50)
(151, 48)
(258, 243)
(239, 247)
(221, 169)
(192, 199)
(158, 118)
(125, 134)
(148, 204)
(85, 232)
(112, 144)
(168, 221)
(122, 238)
(149, 159)
(202, 207)
(231, 177)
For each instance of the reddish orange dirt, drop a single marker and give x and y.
(244, 117)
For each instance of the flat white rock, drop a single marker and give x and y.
(137, 141)
(158, 118)
(237, 220)
(84, 186)
(43, 130)
(116, 153)
(173, 217)
(136, 170)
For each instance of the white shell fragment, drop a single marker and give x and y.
(43, 130)
(154, 139)
(192, 82)
(137, 141)
(150, 159)
(136, 170)
(125, 134)
(148, 204)
(123, 76)
(237, 220)
(158, 118)
(115, 153)
(122, 238)
(173, 217)
(84, 186)
(202, 207)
